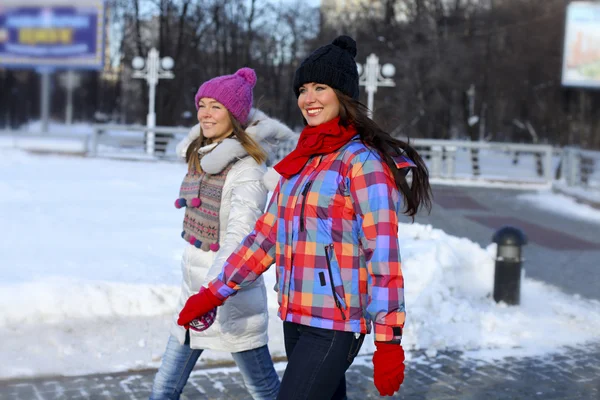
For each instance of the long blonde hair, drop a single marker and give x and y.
(239, 132)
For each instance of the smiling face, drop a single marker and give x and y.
(318, 103)
(214, 119)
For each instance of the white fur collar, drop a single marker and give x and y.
(268, 132)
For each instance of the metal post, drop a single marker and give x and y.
(45, 99)
(370, 96)
(374, 76)
(472, 119)
(471, 94)
(70, 86)
(508, 270)
(151, 118)
(69, 81)
(572, 164)
(450, 161)
(566, 166)
(436, 161)
(548, 164)
(93, 145)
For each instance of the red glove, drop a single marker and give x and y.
(197, 306)
(388, 367)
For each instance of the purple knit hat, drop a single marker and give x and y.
(233, 91)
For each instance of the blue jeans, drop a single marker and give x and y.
(317, 362)
(255, 365)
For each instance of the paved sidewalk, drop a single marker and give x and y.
(573, 375)
(562, 250)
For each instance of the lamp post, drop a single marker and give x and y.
(374, 76)
(473, 119)
(152, 69)
(70, 82)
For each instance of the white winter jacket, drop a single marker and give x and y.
(241, 322)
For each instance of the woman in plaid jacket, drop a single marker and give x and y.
(331, 229)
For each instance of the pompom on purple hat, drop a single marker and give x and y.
(233, 91)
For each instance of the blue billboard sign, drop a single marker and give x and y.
(52, 34)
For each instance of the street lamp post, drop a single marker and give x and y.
(374, 76)
(152, 69)
(70, 82)
(473, 119)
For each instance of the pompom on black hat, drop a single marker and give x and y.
(332, 65)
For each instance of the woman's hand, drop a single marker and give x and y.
(388, 367)
(198, 306)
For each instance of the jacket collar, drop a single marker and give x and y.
(267, 132)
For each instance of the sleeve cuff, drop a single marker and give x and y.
(385, 333)
(220, 289)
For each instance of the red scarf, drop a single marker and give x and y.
(322, 139)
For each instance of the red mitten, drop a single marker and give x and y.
(197, 306)
(388, 367)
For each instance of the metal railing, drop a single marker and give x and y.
(581, 168)
(489, 161)
(68, 143)
(135, 141)
(447, 160)
(495, 161)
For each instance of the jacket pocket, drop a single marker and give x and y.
(335, 279)
(355, 346)
(303, 206)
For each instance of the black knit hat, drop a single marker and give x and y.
(332, 65)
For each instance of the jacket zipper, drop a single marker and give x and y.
(337, 302)
(304, 193)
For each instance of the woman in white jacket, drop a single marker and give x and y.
(223, 195)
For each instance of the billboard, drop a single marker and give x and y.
(581, 54)
(52, 34)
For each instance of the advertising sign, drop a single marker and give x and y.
(52, 34)
(581, 56)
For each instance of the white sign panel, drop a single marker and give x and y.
(581, 56)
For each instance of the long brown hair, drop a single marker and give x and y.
(418, 194)
(239, 132)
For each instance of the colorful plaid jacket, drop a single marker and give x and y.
(332, 231)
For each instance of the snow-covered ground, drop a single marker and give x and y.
(90, 252)
(562, 204)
